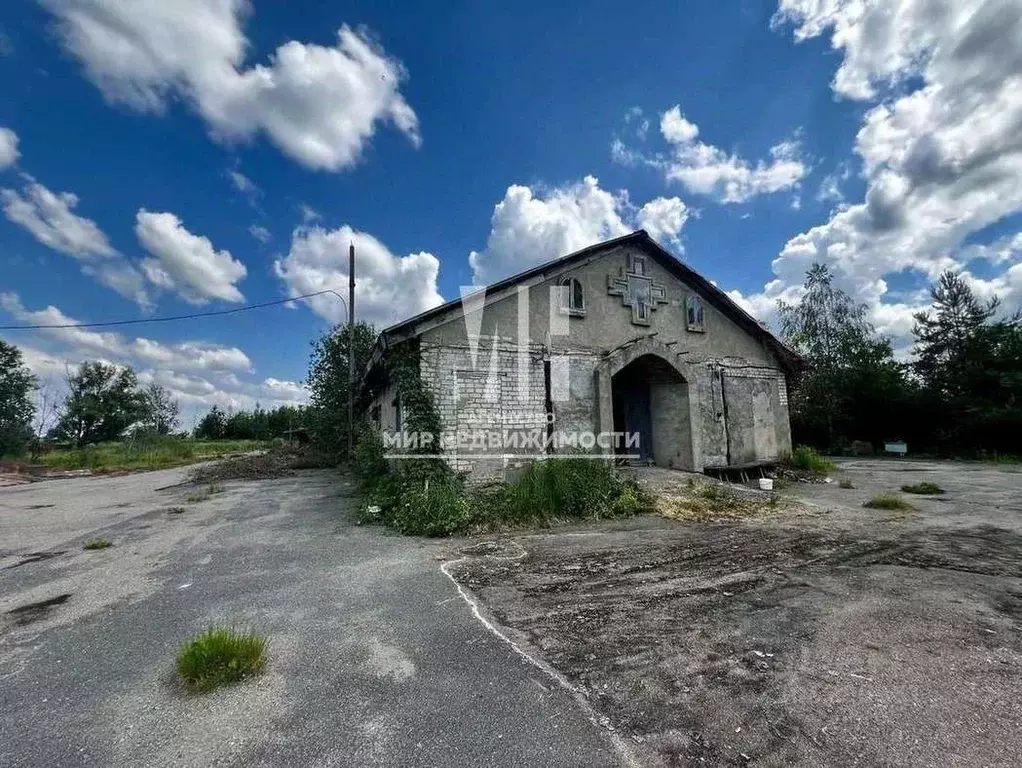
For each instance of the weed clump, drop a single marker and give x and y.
(923, 489)
(98, 544)
(846, 484)
(887, 501)
(220, 656)
(210, 490)
(424, 497)
(808, 459)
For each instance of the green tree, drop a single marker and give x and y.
(16, 407)
(328, 382)
(852, 388)
(946, 335)
(212, 426)
(970, 370)
(160, 410)
(102, 402)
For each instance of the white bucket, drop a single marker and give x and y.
(766, 483)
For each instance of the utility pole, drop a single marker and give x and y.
(351, 351)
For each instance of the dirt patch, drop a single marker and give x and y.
(251, 467)
(750, 642)
(279, 462)
(697, 498)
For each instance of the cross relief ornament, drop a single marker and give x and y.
(637, 290)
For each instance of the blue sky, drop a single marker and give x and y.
(159, 158)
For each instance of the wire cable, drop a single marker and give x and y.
(169, 318)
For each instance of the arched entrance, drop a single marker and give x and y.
(650, 400)
(644, 391)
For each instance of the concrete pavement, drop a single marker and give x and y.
(374, 656)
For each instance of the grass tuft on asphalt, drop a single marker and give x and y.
(887, 501)
(220, 656)
(98, 544)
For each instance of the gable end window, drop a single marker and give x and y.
(572, 297)
(695, 315)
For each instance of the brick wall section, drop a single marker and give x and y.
(483, 398)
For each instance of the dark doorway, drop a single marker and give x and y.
(631, 412)
(650, 400)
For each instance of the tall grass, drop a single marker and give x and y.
(808, 460)
(153, 452)
(549, 490)
(568, 488)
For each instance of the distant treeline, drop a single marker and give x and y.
(958, 393)
(257, 424)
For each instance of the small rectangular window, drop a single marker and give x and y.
(572, 297)
(695, 317)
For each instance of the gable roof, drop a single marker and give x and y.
(640, 239)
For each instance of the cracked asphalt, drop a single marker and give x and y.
(374, 656)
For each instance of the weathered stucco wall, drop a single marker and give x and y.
(607, 322)
(733, 409)
(383, 409)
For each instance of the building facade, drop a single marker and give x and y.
(618, 348)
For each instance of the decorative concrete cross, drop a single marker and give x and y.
(638, 291)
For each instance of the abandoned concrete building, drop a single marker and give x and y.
(616, 348)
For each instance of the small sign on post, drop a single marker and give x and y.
(897, 447)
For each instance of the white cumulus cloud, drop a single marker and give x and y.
(531, 226)
(9, 153)
(87, 343)
(708, 170)
(319, 104)
(663, 218)
(186, 263)
(50, 218)
(388, 288)
(260, 233)
(199, 374)
(940, 146)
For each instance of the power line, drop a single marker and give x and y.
(169, 318)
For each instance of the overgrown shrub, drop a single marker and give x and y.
(808, 460)
(435, 508)
(573, 488)
(370, 463)
(220, 656)
(425, 498)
